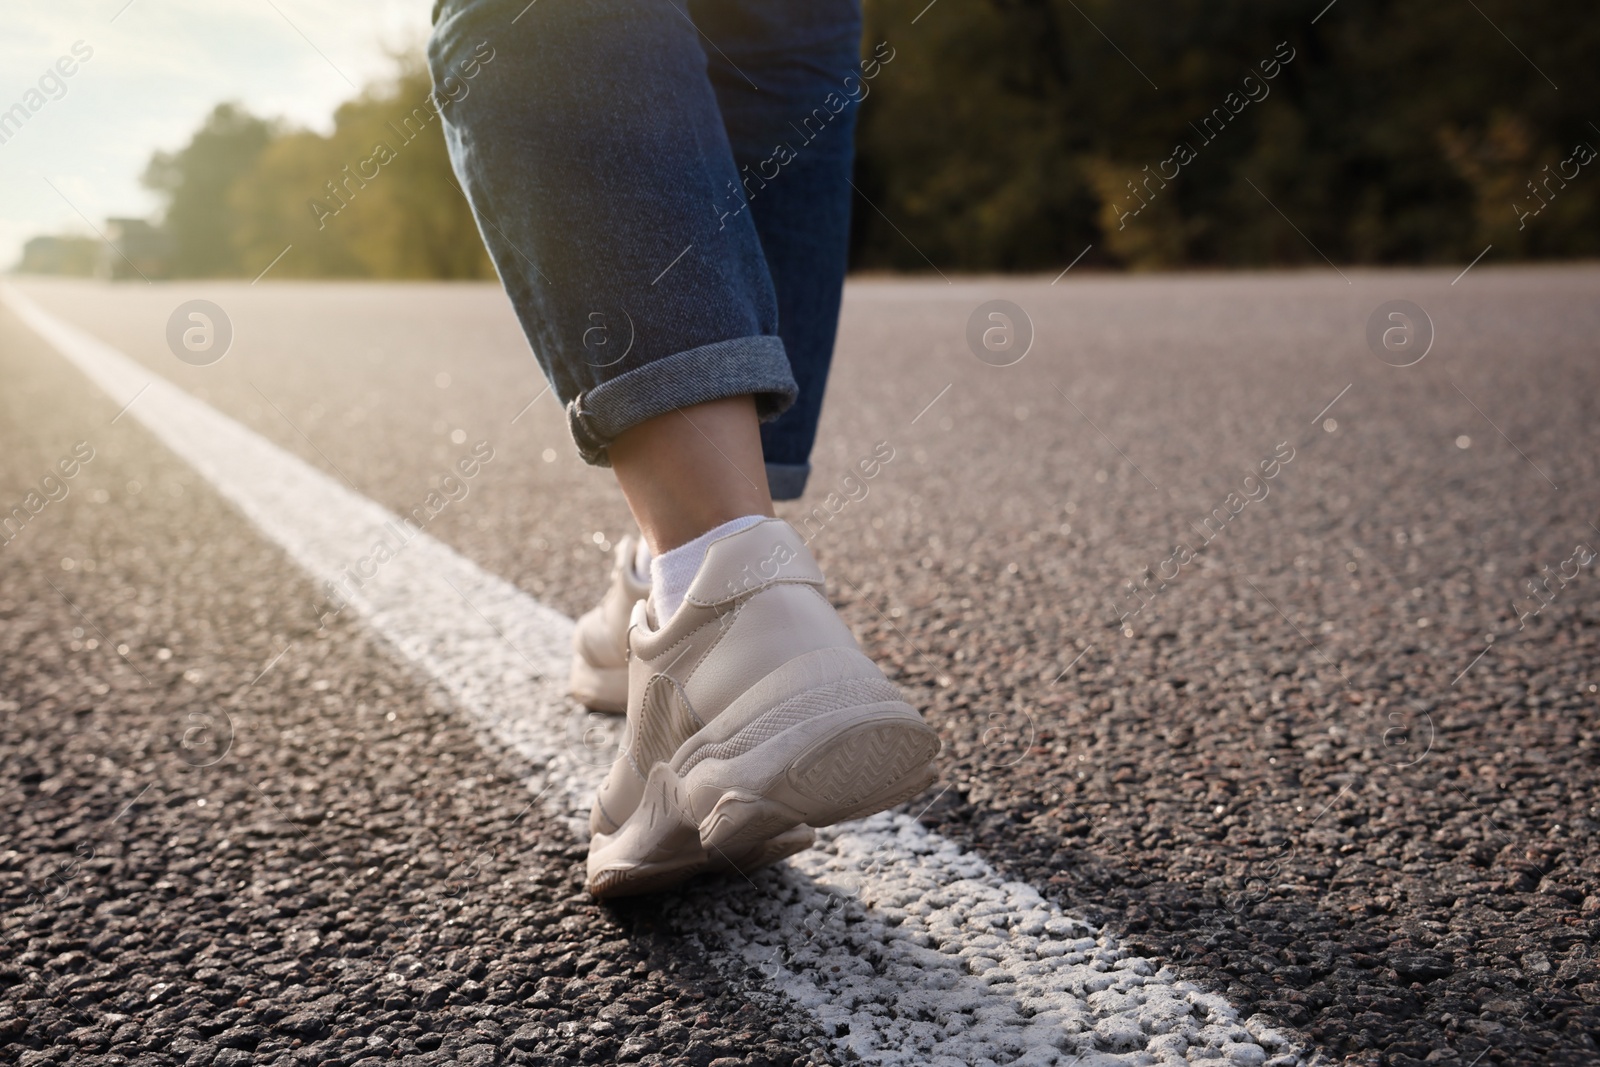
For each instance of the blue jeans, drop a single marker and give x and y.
(664, 188)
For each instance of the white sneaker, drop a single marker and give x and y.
(752, 717)
(600, 641)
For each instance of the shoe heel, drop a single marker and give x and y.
(877, 763)
(760, 852)
(655, 847)
(741, 820)
(598, 688)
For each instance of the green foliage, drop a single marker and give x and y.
(1005, 133)
(60, 255)
(1010, 134)
(375, 198)
(197, 180)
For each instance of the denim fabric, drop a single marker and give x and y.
(664, 189)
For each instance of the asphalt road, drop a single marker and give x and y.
(1316, 763)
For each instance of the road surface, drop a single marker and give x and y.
(1259, 747)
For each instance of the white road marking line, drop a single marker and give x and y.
(906, 950)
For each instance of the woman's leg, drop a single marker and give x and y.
(591, 145)
(788, 81)
(692, 470)
(589, 154)
(633, 130)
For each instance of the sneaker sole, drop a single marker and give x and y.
(598, 688)
(659, 846)
(758, 807)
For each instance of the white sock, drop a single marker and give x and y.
(641, 558)
(672, 572)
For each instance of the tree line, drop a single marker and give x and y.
(374, 198)
(1012, 135)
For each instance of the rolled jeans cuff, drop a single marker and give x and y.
(787, 481)
(755, 365)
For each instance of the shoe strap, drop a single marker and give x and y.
(767, 553)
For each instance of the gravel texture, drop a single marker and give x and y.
(903, 948)
(1292, 774)
(319, 865)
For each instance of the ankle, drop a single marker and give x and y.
(692, 470)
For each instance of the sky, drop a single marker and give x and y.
(155, 69)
